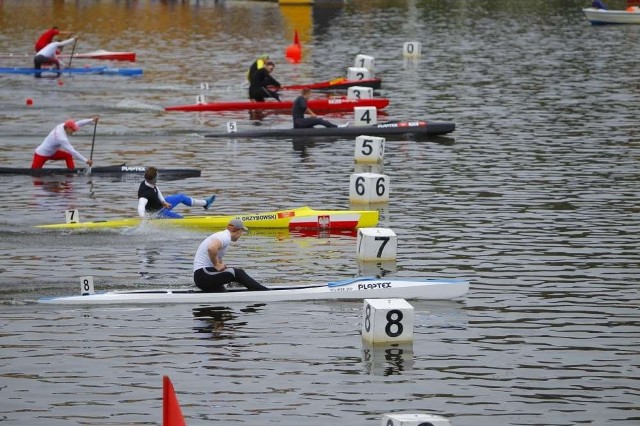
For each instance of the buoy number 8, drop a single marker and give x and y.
(394, 320)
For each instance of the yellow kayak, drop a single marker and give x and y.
(299, 218)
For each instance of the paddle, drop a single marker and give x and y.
(87, 171)
(72, 52)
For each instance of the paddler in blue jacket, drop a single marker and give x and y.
(151, 201)
(210, 273)
(261, 81)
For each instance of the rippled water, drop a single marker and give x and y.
(534, 199)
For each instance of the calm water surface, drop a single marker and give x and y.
(534, 199)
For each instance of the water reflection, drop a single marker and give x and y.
(220, 322)
(387, 359)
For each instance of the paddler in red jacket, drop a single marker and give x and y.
(48, 36)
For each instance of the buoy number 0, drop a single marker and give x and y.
(394, 318)
(411, 48)
(360, 188)
(366, 116)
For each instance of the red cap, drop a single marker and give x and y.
(71, 125)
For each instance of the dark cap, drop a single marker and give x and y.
(270, 63)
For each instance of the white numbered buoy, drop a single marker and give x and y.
(201, 99)
(365, 116)
(360, 92)
(376, 244)
(387, 320)
(412, 49)
(369, 188)
(358, 73)
(369, 149)
(204, 86)
(72, 216)
(86, 285)
(365, 61)
(411, 419)
(232, 127)
(368, 168)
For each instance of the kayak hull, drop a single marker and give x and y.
(607, 17)
(87, 70)
(300, 218)
(336, 84)
(96, 54)
(354, 289)
(317, 105)
(382, 129)
(121, 169)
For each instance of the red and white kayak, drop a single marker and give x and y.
(336, 84)
(96, 54)
(325, 105)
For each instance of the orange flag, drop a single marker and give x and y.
(171, 412)
(296, 39)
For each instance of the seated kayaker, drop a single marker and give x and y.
(210, 274)
(56, 145)
(598, 4)
(152, 202)
(261, 80)
(300, 108)
(48, 54)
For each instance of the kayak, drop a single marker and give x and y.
(324, 105)
(605, 16)
(351, 289)
(121, 169)
(299, 218)
(85, 70)
(96, 54)
(381, 129)
(336, 83)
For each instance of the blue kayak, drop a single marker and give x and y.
(86, 70)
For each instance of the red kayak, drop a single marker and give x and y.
(325, 105)
(336, 84)
(96, 54)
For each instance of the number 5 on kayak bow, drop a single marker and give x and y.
(232, 127)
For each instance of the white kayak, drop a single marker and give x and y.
(605, 16)
(358, 288)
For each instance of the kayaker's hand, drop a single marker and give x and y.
(166, 205)
(90, 163)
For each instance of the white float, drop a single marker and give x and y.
(412, 49)
(413, 419)
(360, 92)
(72, 216)
(369, 188)
(365, 116)
(365, 61)
(86, 285)
(358, 73)
(376, 244)
(387, 320)
(201, 99)
(369, 149)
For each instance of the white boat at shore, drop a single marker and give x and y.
(606, 16)
(358, 288)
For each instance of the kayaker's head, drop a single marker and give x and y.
(264, 57)
(237, 228)
(70, 126)
(306, 93)
(269, 65)
(151, 175)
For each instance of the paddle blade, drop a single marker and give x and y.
(171, 412)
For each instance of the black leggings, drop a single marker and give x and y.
(210, 280)
(307, 122)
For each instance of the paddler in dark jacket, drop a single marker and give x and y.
(261, 80)
(256, 65)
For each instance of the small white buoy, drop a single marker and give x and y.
(412, 49)
(369, 188)
(204, 86)
(232, 127)
(376, 244)
(365, 61)
(360, 92)
(86, 285)
(414, 419)
(387, 320)
(201, 99)
(72, 216)
(369, 149)
(358, 73)
(365, 116)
